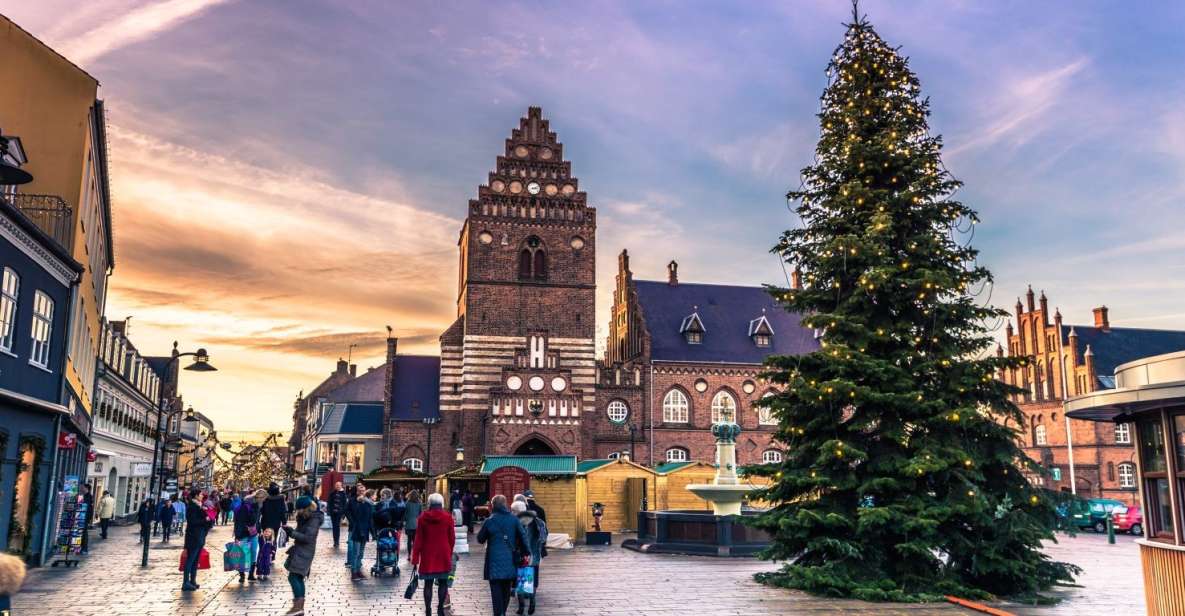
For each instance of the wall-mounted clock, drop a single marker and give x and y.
(533, 188)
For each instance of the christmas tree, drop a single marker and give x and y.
(902, 479)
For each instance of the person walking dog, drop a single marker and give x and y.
(432, 555)
(304, 546)
(506, 544)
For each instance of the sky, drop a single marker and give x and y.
(289, 177)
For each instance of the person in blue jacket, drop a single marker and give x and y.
(506, 545)
(361, 516)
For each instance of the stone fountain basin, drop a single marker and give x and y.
(725, 499)
(697, 532)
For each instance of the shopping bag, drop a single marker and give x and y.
(412, 585)
(526, 582)
(233, 557)
(282, 538)
(203, 559)
(184, 555)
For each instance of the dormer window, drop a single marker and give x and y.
(692, 329)
(761, 332)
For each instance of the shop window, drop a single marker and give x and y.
(1159, 514)
(349, 457)
(23, 494)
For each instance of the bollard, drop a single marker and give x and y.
(1110, 531)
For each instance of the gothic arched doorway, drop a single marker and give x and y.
(535, 447)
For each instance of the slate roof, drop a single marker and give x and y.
(726, 312)
(535, 465)
(354, 418)
(416, 394)
(159, 365)
(365, 388)
(1120, 345)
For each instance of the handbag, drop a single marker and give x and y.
(412, 586)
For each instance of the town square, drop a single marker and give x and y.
(301, 309)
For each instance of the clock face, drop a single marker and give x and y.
(497, 186)
(516, 187)
(559, 384)
(514, 382)
(521, 151)
(577, 242)
(533, 188)
(551, 190)
(536, 383)
(485, 237)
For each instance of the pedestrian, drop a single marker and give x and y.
(224, 509)
(235, 501)
(506, 543)
(144, 517)
(536, 531)
(166, 518)
(411, 514)
(432, 556)
(12, 575)
(274, 513)
(89, 500)
(304, 547)
(246, 530)
(361, 517)
(196, 523)
(534, 506)
(106, 512)
(454, 506)
(339, 500)
(267, 553)
(210, 505)
(467, 504)
(179, 512)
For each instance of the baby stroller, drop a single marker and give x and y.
(388, 552)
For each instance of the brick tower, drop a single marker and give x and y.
(518, 365)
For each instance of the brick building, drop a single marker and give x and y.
(1104, 454)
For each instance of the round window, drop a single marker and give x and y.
(749, 387)
(618, 412)
(516, 187)
(701, 386)
(514, 382)
(498, 186)
(535, 383)
(568, 190)
(521, 151)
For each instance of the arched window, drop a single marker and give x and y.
(414, 464)
(771, 456)
(9, 290)
(675, 407)
(1127, 475)
(618, 411)
(765, 415)
(677, 454)
(532, 260)
(724, 407)
(1039, 435)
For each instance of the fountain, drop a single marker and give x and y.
(718, 533)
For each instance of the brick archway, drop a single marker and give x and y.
(535, 445)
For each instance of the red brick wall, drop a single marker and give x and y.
(1097, 455)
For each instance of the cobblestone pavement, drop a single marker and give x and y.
(582, 582)
(1111, 581)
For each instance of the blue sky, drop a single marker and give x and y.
(289, 176)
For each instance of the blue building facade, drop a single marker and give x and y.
(37, 280)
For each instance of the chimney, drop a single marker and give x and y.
(353, 370)
(796, 279)
(1100, 319)
(342, 366)
(673, 274)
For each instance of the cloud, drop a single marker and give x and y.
(136, 25)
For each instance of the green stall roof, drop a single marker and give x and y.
(591, 465)
(667, 467)
(535, 465)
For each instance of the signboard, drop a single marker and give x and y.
(508, 481)
(91, 455)
(67, 440)
(141, 469)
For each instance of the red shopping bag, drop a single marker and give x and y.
(203, 559)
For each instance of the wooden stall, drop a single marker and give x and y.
(619, 485)
(673, 479)
(554, 481)
(395, 477)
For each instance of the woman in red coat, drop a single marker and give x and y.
(432, 551)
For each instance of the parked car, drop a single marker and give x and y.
(1093, 513)
(1128, 519)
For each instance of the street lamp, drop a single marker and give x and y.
(201, 363)
(460, 454)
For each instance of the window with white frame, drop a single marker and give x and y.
(1123, 434)
(9, 291)
(771, 456)
(1039, 437)
(42, 329)
(1127, 475)
(414, 464)
(676, 454)
(616, 455)
(675, 407)
(618, 411)
(724, 407)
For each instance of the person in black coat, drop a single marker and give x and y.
(361, 516)
(534, 506)
(339, 501)
(274, 512)
(144, 517)
(166, 518)
(246, 527)
(506, 545)
(197, 523)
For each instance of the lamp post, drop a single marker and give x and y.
(431, 423)
(201, 363)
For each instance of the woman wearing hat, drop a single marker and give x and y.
(304, 546)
